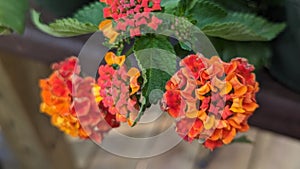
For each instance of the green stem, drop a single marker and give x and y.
(119, 50)
(129, 52)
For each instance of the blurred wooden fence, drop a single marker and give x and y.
(35, 143)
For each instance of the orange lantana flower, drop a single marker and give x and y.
(74, 103)
(56, 96)
(212, 100)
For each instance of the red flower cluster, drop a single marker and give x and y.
(132, 14)
(123, 8)
(134, 24)
(117, 88)
(212, 100)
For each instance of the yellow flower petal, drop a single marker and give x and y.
(46, 109)
(111, 59)
(57, 120)
(226, 89)
(210, 122)
(134, 74)
(120, 60)
(96, 93)
(202, 90)
(105, 24)
(192, 114)
(202, 115)
(237, 106)
(113, 38)
(192, 110)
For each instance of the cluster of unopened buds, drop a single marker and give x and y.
(86, 108)
(210, 99)
(180, 24)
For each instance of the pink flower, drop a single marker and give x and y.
(154, 23)
(135, 32)
(131, 14)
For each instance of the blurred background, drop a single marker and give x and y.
(29, 141)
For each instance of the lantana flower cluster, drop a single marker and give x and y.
(119, 88)
(210, 99)
(129, 15)
(124, 8)
(57, 97)
(82, 107)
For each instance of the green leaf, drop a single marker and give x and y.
(12, 16)
(169, 5)
(153, 89)
(156, 57)
(92, 13)
(205, 12)
(216, 21)
(166, 3)
(185, 5)
(67, 27)
(186, 46)
(252, 6)
(239, 5)
(155, 52)
(257, 53)
(153, 41)
(243, 27)
(155, 84)
(242, 139)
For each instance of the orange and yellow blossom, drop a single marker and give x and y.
(74, 103)
(212, 100)
(57, 100)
